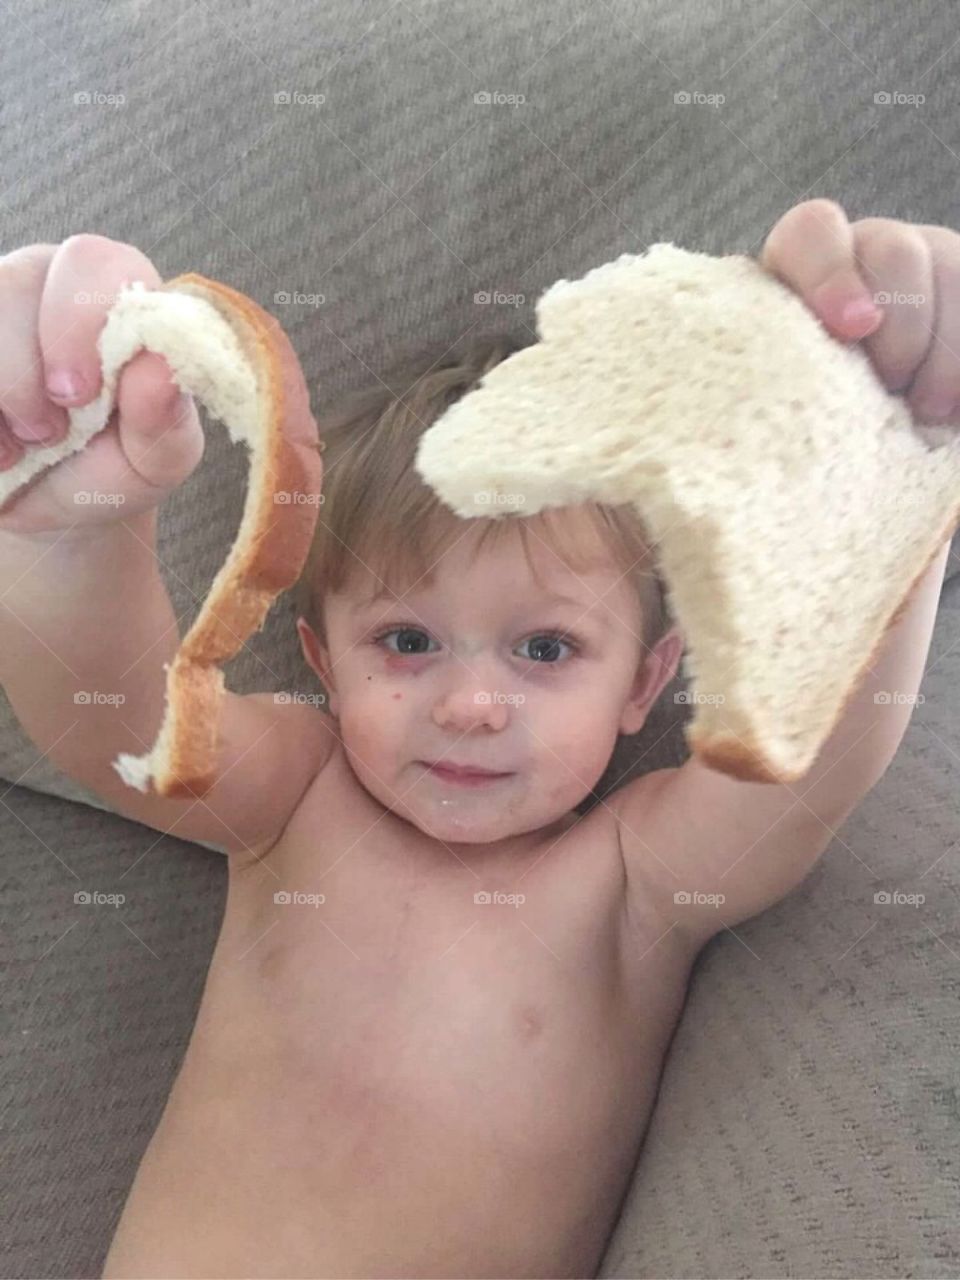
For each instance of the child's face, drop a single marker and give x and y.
(485, 668)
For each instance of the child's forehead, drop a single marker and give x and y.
(554, 543)
(562, 557)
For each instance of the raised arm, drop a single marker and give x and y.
(742, 846)
(86, 624)
(731, 849)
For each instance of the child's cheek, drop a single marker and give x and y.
(579, 757)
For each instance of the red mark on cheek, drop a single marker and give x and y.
(397, 697)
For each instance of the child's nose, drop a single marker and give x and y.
(468, 704)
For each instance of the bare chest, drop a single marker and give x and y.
(387, 1042)
(440, 969)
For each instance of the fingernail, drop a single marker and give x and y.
(860, 312)
(33, 431)
(65, 384)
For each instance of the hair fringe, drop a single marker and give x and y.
(378, 512)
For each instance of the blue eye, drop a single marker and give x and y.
(412, 641)
(546, 648)
(409, 640)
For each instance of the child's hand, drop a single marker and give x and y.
(895, 285)
(53, 303)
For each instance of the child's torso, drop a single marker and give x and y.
(401, 1080)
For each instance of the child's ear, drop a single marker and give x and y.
(658, 667)
(318, 659)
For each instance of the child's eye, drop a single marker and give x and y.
(410, 640)
(546, 647)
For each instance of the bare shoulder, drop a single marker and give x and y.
(709, 851)
(302, 741)
(331, 806)
(644, 838)
(274, 748)
(584, 873)
(654, 952)
(270, 750)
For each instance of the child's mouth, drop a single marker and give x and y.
(463, 775)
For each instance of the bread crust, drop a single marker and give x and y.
(266, 557)
(579, 415)
(745, 759)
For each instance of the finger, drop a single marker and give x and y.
(812, 250)
(159, 427)
(84, 278)
(934, 394)
(898, 264)
(24, 408)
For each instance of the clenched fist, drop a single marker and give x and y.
(54, 300)
(893, 286)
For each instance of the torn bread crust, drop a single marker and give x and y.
(235, 358)
(270, 548)
(792, 502)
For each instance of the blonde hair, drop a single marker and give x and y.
(377, 511)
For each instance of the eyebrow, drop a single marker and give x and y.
(368, 602)
(552, 597)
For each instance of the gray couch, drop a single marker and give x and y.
(808, 1116)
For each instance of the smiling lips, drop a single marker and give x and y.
(463, 775)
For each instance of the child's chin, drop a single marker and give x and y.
(472, 823)
(463, 828)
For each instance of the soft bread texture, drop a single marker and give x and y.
(234, 357)
(791, 500)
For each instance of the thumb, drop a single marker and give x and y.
(812, 249)
(159, 427)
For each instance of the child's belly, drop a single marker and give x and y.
(424, 1094)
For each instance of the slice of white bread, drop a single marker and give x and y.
(235, 358)
(792, 502)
